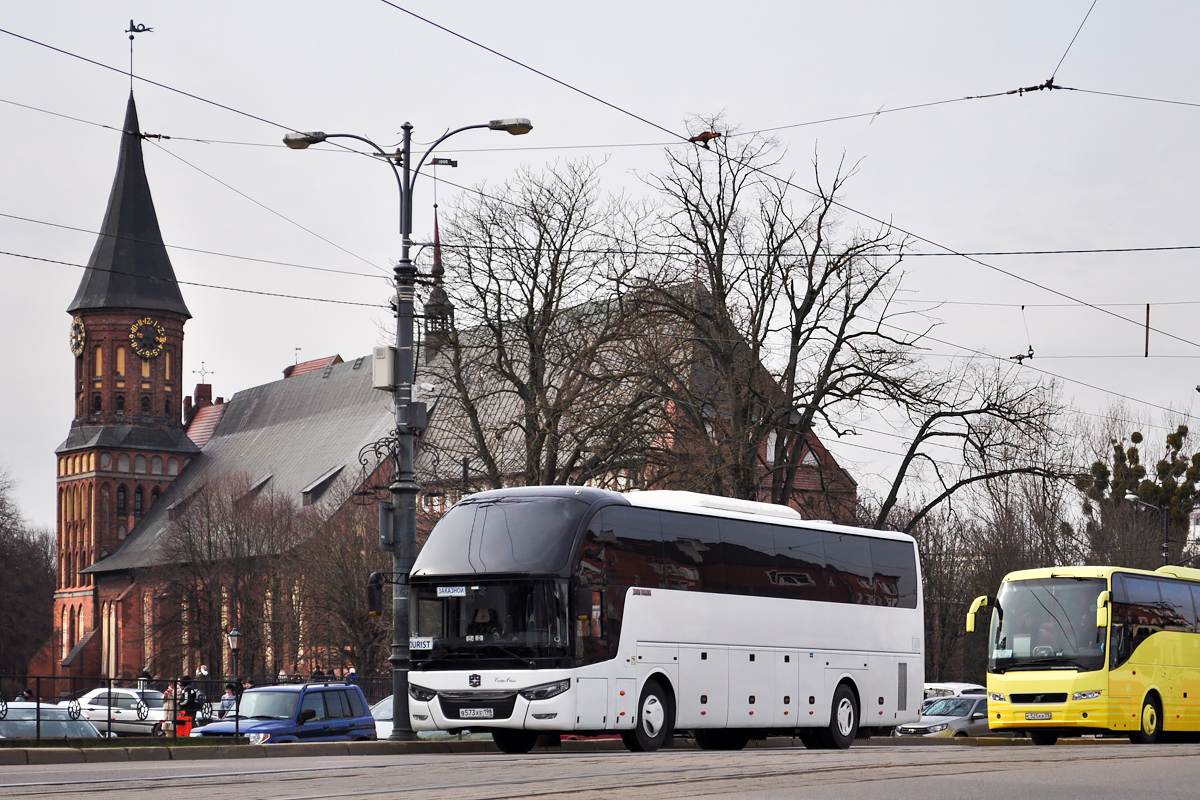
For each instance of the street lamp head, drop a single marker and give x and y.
(235, 640)
(1131, 496)
(299, 141)
(514, 125)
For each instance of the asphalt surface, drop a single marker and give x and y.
(1099, 770)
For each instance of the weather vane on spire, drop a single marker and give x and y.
(134, 29)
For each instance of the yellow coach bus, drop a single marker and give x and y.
(1075, 650)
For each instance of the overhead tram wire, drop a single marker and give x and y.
(195, 249)
(680, 137)
(271, 210)
(202, 285)
(1057, 67)
(1049, 85)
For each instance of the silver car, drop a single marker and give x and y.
(950, 717)
(127, 711)
(20, 720)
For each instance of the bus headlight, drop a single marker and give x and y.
(997, 697)
(1087, 695)
(546, 690)
(420, 693)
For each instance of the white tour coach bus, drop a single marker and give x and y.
(571, 609)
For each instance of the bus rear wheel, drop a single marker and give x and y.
(1151, 722)
(722, 739)
(655, 720)
(510, 741)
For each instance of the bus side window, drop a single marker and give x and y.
(691, 552)
(850, 565)
(799, 571)
(748, 550)
(1179, 615)
(895, 568)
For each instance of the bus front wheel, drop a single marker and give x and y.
(655, 720)
(510, 741)
(1151, 722)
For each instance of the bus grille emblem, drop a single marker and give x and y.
(474, 680)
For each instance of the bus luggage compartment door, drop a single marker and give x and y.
(591, 704)
(703, 696)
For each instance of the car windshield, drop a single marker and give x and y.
(1047, 623)
(509, 619)
(383, 709)
(950, 707)
(267, 704)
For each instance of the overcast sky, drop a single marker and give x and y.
(1049, 170)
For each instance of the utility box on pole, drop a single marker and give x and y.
(383, 369)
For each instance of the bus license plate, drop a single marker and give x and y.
(1038, 715)
(475, 713)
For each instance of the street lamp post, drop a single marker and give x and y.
(399, 534)
(1166, 524)
(235, 644)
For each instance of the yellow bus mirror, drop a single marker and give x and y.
(1102, 610)
(976, 604)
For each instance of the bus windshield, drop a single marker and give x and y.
(524, 534)
(1047, 623)
(468, 621)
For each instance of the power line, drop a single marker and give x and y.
(1073, 38)
(194, 249)
(268, 208)
(201, 285)
(1048, 85)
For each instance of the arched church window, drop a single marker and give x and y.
(98, 361)
(145, 404)
(156, 466)
(105, 461)
(121, 500)
(120, 362)
(167, 364)
(167, 406)
(123, 463)
(121, 533)
(146, 368)
(139, 465)
(120, 404)
(154, 495)
(137, 502)
(172, 466)
(96, 404)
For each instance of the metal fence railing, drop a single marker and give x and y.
(45, 692)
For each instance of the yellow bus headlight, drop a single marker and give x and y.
(1087, 695)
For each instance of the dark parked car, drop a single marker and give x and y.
(310, 712)
(20, 721)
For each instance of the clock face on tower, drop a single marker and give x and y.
(77, 336)
(147, 337)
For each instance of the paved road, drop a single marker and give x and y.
(1094, 772)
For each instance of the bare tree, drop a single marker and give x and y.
(539, 380)
(27, 588)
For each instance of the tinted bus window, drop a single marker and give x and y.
(849, 559)
(691, 552)
(895, 565)
(1178, 613)
(632, 545)
(799, 571)
(748, 550)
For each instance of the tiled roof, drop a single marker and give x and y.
(311, 366)
(294, 430)
(201, 428)
(127, 437)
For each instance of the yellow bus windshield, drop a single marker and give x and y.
(1047, 623)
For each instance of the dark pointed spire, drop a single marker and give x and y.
(439, 311)
(129, 267)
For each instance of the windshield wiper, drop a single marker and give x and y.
(1060, 662)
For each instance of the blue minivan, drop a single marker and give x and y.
(309, 712)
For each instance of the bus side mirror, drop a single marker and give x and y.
(375, 594)
(1102, 609)
(583, 602)
(976, 604)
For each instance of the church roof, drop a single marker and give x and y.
(126, 437)
(129, 267)
(298, 431)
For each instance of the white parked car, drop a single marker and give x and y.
(139, 712)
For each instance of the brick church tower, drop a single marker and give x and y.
(127, 440)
